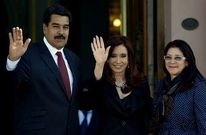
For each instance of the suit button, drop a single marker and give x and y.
(123, 123)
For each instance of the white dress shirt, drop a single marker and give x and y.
(81, 116)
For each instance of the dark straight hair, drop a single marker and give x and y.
(58, 10)
(191, 71)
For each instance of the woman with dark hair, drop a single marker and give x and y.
(179, 104)
(121, 92)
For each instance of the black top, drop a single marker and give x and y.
(127, 116)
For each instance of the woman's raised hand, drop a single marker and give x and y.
(99, 51)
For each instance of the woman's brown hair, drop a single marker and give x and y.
(132, 75)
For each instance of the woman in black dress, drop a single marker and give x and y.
(121, 92)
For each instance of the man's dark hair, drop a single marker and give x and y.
(58, 10)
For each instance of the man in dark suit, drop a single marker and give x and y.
(44, 103)
(87, 104)
(93, 122)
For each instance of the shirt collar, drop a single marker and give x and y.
(52, 49)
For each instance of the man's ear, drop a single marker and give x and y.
(44, 28)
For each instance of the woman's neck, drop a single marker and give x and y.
(119, 78)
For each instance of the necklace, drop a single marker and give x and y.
(123, 87)
(120, 85)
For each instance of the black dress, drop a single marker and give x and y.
(127, 116)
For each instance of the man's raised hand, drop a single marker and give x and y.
(16, 45)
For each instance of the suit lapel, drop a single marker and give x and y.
(49, 61)
(71, 62)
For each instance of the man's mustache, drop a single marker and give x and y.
(59, 37)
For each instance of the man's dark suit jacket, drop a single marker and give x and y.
(87, 102)
(94, 125)
(41, 104)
